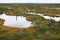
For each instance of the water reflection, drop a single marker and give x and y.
(46, 17)
(11, 21)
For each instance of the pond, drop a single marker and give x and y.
(11, 21)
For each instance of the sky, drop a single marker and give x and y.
(29, 1)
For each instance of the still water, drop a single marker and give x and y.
(21, 21)
(11, 21)
(45, 16)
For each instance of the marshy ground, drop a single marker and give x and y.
(44, 30)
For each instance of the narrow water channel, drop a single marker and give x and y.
(46, 17)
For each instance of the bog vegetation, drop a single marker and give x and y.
(44, 29)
